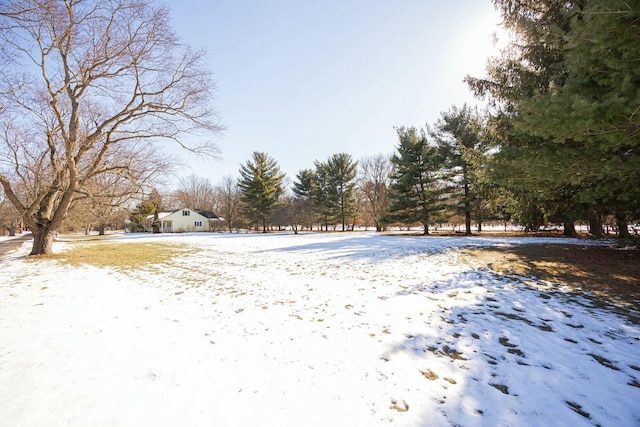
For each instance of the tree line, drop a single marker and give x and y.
(438, 175)
(89, 89)
(559, 143)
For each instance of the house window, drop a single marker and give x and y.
(185, 213)
(198, 223)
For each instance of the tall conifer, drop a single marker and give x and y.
(416, 188)
(261, 187)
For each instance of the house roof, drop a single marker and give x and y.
(210, 215)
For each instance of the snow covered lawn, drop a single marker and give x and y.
(338, 329)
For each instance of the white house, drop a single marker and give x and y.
(183, 220)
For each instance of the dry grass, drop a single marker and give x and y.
(118, 255)
(606, 272)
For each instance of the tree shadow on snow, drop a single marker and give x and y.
(495, 351)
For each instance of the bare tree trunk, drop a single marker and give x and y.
(42, 240)
(595, 225)
(467, 210)
(569, 229)
(623, 226)
(101, 228)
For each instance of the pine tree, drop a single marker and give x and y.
(323, 203)
(342, 175)
(261, 188)
(592, 120)
(151, 206)
(303, 190)
(457, 136)
(538, 90)
(416, 188)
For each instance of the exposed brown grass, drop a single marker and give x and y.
(118, 255)
(606, 272)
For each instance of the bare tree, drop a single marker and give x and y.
(9, 218)
(86, 82)
(373, 184)
(195, 193)
(228, 200)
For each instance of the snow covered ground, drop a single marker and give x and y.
(338, 329)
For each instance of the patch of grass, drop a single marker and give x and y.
(514, 317)
(545, 328)
(608, 273)
(578, 409)
(446, 351)
(505, 342)
(575, 326)
(604, 362)
(516, 351)
(503, 388)
(429, 374)
(401, 406)
(452, 353)
(118, 255)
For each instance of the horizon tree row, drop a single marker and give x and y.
(560, 143)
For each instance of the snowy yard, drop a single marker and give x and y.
(352, 329)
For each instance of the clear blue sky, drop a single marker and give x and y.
(302, 80)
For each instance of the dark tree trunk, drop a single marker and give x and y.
(595, 225)
(155, 225)
(569, 229)
(12, 230)
(479, 226)
(42, 241)
(101, 228)
(426, 229)
(467, 210)
(623, 226)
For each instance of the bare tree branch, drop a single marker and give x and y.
(92, 88)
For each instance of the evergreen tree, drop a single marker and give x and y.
(416, 188)
(342, 175)
(537, 157)
(151, 206)
(592, 120)
(261, 188)
(457, 135)
(321, 195)
(303, 190)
